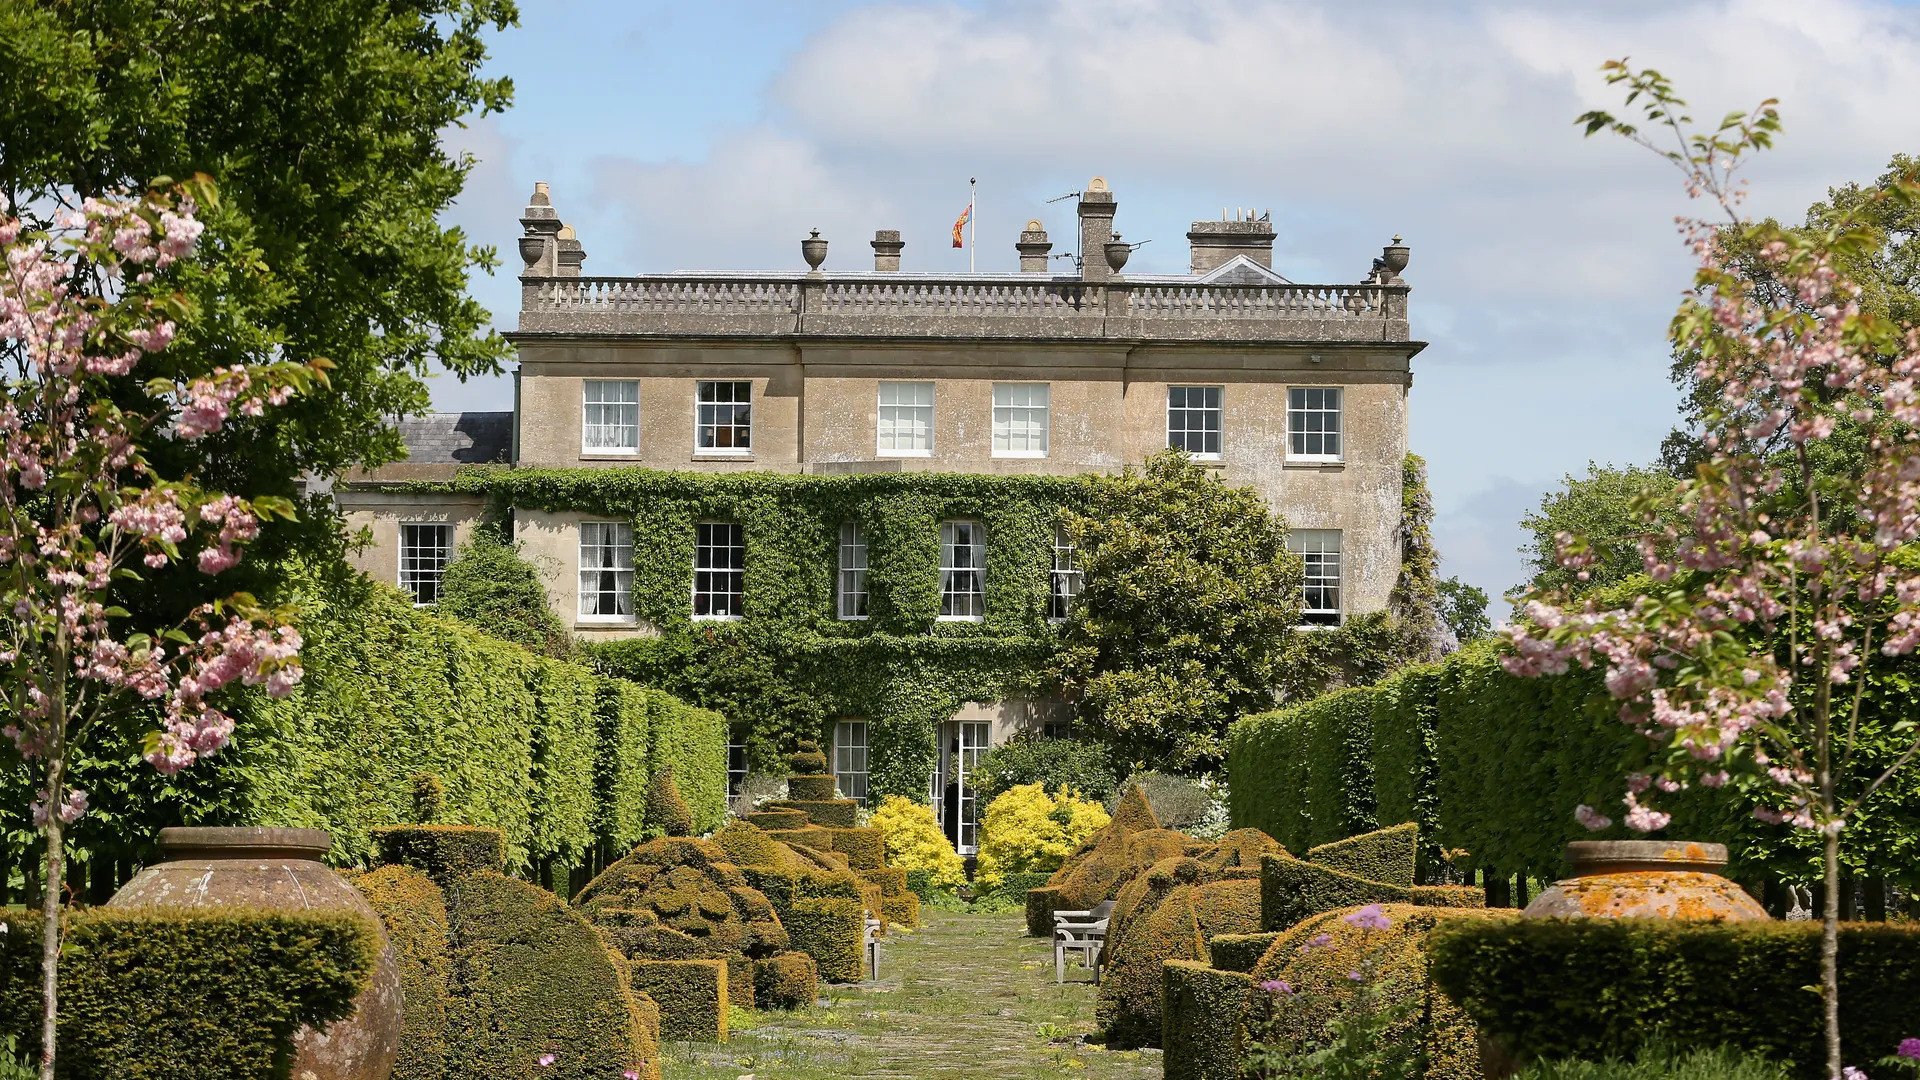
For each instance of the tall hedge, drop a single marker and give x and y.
(184, 994)
(1493, 765)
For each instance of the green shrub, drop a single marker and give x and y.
(415, 913)
(830, 813)
(1177, 928)
(777, 819)
(1536, 986)
(1384, 855)
(812, 788)
(1292, 890)
(789, 980)
(693, 743)
(1664, 1064)
(184, 994)
(833, 932)
(623, 713)
(916, 844)
(1132, 812)
(807, 759)
(865, 848)
(679, 898)
(1052, 763)
(1201, 1020)
(490, 586)
(443, 852)
(1181, 803)
(1239, 952)
(667, 813)
(531, 976)
(691, 994)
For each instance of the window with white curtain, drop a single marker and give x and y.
(610, 416)
(906, 419)
(850, 758)
(963, 571)
(1320, 587)
(606, 571)
(1020, 421)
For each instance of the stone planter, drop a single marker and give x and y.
(281, 869)
(1646, 879)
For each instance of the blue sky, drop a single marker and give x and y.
(1544, 267)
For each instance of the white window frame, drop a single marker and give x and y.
(1065, 579)
(949, 571)
(850, 773)
(1217, 409)
(588, 405)
(908, 410)
(737, 764)
(1299, 407)
(1314, 546)
(850, 574)
(615, 542)
(739, 535)
(1001, 429)
(409, 576)
(700, 423)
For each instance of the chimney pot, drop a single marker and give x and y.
(1212, 244)
(1033, 248)
(1096, 211)
(886, 249)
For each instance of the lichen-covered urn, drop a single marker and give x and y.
(1646, 879)
(281, 868)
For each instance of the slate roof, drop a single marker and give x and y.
(439, 443)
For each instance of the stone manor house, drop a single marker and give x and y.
(1299, 390)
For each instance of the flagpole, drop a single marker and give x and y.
(971, 233)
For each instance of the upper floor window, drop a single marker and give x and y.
(1313, 423)
(852, 598)
(850, 758)
(719, 570)
(1065, 578)
(606, 571)
(723, 417)
(1020, 419)
(425, 549)
(610, 416)
(963, 571)
(1193, 420)
(906, 419)
(1320, 550)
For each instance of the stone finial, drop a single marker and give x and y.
(814, 250)
(1117, 251)
(1034, 248)
(1393, 259)
(1096, 210)
(568, 253)
(539, 232)
(886, 249)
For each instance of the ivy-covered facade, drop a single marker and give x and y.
(827, 504)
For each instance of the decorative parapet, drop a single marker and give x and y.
(959, 307)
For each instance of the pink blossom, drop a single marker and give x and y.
(1590, 818)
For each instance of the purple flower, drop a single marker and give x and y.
(1909, 1049)
(1277, 986)
(1369, 918)
(547, 1060)
(1356, 976)
(1851, 1073)
(1317, 941)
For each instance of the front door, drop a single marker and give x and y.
(962, 744)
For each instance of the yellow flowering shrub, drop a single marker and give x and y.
(915, 842)
(1026, 830)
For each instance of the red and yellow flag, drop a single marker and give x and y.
(960, 225)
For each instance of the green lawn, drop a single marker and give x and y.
(964, 996)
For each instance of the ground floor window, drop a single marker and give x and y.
(425, 549)
(736, 761)
(850, 758)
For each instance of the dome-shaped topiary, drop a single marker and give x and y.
(806, 759)
(666, 812)
(1176, 927)
(676, 898)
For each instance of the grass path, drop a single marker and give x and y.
(964, 997)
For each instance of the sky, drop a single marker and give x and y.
(1545, 265)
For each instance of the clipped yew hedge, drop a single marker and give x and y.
(1201, 1020)
(1603, 988)
(415, 913)
(833, 932)
(1292, 889)
(184, 994)
(691, 994)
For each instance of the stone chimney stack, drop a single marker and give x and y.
(886, 250)
(539, 238)
(1033, 248)
(1096, 229)
(1213, 244)
(568, 253)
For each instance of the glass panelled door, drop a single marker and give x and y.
(962, 744)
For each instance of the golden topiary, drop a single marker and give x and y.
(915, 842)
(678, 898)
(1112, 861)
(1133, 812)
(806, 759)
(1027, 830)
(666, 813)
(1316, 959)
(1178, 927)
(1240, 848)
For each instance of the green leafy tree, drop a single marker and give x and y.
(322, 122)
(491, 586)
(1186, 617)
(1604, 507)
(1463, 609)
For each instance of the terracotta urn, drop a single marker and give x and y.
(281, 869)
(1646, 879)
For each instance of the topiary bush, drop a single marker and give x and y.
(807, 759)
(1664, 1063)
(865, 848)
(820, 788)
(184, 994)
(1691, 983)
(1384, 855)
(415, 913)
(530, 977)
(1026, 830)
(1177, 928)
(1200, 1031)
(916, 844)
(831, 813)
(1292, 889)
(667, 813)
(789, 980)
(777, 819)
(1030, 758)
(1240, 952)
(833, 932)
(691, 994)
(442, 852)
(1132, 812)
(696, 903)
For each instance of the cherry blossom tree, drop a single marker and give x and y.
(82, 510)
(1742, 661)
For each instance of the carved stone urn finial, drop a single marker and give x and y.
(813, 249)
(1394, 256)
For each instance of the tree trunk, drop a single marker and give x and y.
(50, 914)
(1830, 952)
